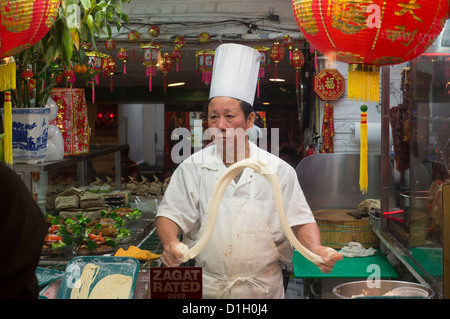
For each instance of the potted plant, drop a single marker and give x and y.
(39, 66)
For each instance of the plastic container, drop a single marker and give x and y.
(108, 265)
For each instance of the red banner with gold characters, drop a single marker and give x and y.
(72, 119)
(329, 84)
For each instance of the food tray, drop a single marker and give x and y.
(46, 276)
(109, 265)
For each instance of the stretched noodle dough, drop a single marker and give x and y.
(218, 192)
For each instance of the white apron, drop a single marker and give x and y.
(241, 259)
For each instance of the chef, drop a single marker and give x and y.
(248, 249)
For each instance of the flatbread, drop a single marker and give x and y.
(114, 286)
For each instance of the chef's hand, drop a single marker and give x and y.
(171, 257)
(329, 257)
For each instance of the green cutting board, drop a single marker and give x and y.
(356, 267)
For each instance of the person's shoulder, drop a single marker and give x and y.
(269, 158)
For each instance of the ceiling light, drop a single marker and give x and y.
(277, 80)
(266, 103)
(176, 84)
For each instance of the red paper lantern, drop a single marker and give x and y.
(109, 68)
(166, 65)
(110, 44)
(177, 55)
(151, 55)
(369, 34)
(22, 24)
(205, 61)
(179, 42)
(27, 75)
(95, 67)
(288, 43)
(153, 31)
(133, 37)
(69, 76)
(204, 38)
(276, 55)
(297, 60)
(123, 56)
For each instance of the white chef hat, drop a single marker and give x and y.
(235, 72)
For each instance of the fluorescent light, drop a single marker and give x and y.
(176, 84)
(266, 103)
(277, 80)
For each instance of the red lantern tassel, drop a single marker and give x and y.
(111, 84)
(315, 60)
(150, 83)
(124, 68)
(165, 84)
(297, 80)
(275, 71)
(257, 89)
(133, 54)
(93, 92)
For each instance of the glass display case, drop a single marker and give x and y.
(415, 190)
(76, 171)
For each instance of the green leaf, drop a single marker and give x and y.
(86, 4)
(108, 31)
(99, 17)
(67, 47)
(90, 22)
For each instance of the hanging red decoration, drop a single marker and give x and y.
(177, 55)
(276, 55)
(328, 129)
(153, 31)
(288, 44)
(205, 60)
(27, 75)
(110, 44)
(23, 23)
(133, 37)
(151, 55)
(179, 42)
(329, 84)
(69, 75)
(297, 60)
(95, 60)
(368, 34)
(123, 56)
(262, 65)
(204, 38)
(109, 68)
(86, 46)
(166, 66)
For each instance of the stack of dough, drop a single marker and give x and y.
(115, 286)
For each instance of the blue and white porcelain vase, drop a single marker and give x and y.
(29, 134)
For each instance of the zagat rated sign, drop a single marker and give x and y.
(176, 283)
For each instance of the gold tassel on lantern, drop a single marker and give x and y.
(7, 84)
(364, 82)
(363, 175)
